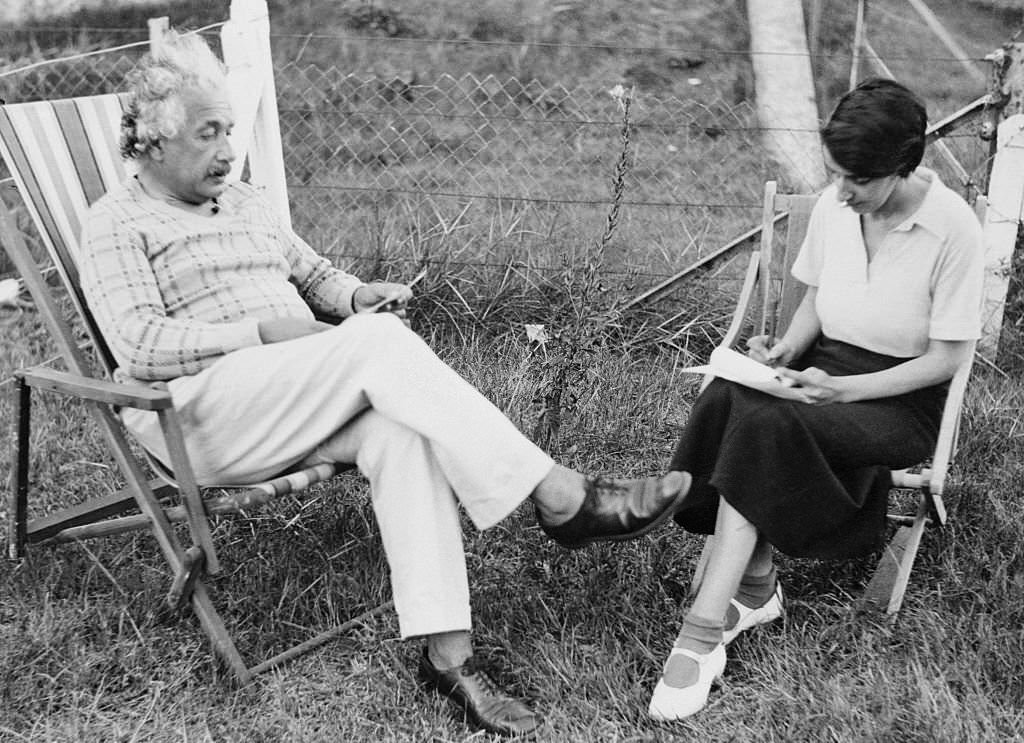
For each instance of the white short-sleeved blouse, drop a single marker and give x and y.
(924, 282)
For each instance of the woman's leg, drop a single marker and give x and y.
(807, 476)
(758, 599)
(761, 562)
(698, 654)
(735, 542)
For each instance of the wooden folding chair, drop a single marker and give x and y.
(64, 155)
(768, 299)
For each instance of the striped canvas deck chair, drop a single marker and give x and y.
(768, 299)
(63, 155)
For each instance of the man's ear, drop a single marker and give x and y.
(156, 150)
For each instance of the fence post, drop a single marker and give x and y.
(1005, 195)
(786, 105)
(245, 40)
(158, 27)
(858, 42)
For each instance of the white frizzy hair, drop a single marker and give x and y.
(182, 61)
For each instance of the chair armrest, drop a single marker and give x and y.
(97, 390)
(932, 479)
(945, 446)
(743, 303)
(742, 307)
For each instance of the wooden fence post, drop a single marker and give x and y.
(786, 103)
(1005, 194)
(858, 42)
(245, 40)
(157, 28)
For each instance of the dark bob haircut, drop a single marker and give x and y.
(877, 129)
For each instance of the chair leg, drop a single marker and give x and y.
(185, 578)
(199, 526)
(18, 524)
(324, 637)
(888, 585)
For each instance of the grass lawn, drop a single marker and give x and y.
(87, 655)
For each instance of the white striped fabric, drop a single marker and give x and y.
(63, 156)
(296, 481)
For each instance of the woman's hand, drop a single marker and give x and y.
(817, 387)
(382, 296)
(936, 365)
(773, 353)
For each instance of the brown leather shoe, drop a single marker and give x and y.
(616, 510)
(485, 705)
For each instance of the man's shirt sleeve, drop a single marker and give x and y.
(325, 288)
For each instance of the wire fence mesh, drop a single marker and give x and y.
(483, 170)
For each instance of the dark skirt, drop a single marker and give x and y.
(813, 479)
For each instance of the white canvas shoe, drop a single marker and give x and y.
(670, 703)
(768, 612)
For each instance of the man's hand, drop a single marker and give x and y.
(382, 296)
(767, 351)
(286, 328)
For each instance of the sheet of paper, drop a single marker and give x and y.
(740, 368)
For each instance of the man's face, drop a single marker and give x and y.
(192, 165)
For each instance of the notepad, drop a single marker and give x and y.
(737, 367)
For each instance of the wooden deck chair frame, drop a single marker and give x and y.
(768, 298)
(64, 155)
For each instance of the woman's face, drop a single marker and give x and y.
(863, 195)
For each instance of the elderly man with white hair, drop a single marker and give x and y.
(194, 281)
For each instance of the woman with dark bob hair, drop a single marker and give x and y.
(893, 264)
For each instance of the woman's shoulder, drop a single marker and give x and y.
(946, 210)
(942, 195)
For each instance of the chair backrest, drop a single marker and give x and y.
(781, 293)
(64, 156)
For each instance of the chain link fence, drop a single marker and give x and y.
(377, 149)
(492, 171)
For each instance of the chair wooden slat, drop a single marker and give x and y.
(798, 208)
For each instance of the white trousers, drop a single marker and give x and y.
(368, 392)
